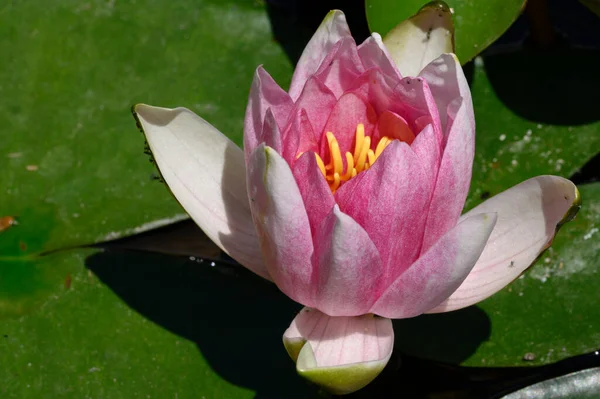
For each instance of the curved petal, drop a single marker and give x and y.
(447, 82)
(281, 223)
(341, 354)
(348, 267)
(454, 176)
(423, 37)
(316, 194)
(438, 272)
(529, 215)
(389, 201)
(374, 54)
(341, 67)
(332, 29)
(265, 94)
(205, 171)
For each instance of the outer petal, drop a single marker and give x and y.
(342, 354)
(374, 54)
(421, 38)
(438, 272)
(316, 194)
(265, 94)
(447, 82)
(281, 223)
(348, 267)
(389, 201)
(332, 29)
(454, 176)
(529, 215)
(205, 171)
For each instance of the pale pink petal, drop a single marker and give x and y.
(447, 82)
(374, 54)
(349, 111)
(427, 150)
(389, 201)
(265, 94)
(271, 136)
(454, 176)
(332, 29)
(373, 88)
(341, 354)
(529, 215)
(341, 67)
(316, 194)
(438, 272)
(318, 101)
(205, 171)
(281, 223)
(348, 267)
(414, 101)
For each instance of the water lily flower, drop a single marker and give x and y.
(349, 191)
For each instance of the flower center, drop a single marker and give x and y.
(360, 160)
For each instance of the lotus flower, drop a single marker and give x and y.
(349, 192)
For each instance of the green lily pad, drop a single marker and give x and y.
(71, 72)
(477, 23)
(167, 327)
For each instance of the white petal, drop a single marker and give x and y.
(420, 39)
(206, 172)
(528, 217)
(341, 354)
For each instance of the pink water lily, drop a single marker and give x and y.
(348, 196)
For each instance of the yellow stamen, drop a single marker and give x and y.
(360, 163)
(336, 182)
(360, 137)
(358, 160)
(381, 146)
(349, 167)
(371, 156)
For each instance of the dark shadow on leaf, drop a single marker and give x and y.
(293, 22)
(550, 86)
(236, 319)
(447, 337)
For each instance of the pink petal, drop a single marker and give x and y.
(454, 176)
(529, 215)
(415, 101)
(372, 86)
(394, 126)
(316, 194)
(265, 94)
(349, 111)
(341, 67)
(374, 54)
(438, 272)
(348, 267)
(299, 138)
(389, 201)
(332, 29)
(427, 150)
(271, 136)
(447, 82)
(205, 171)
(342, 354)
(318, 101)
(281, 223)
